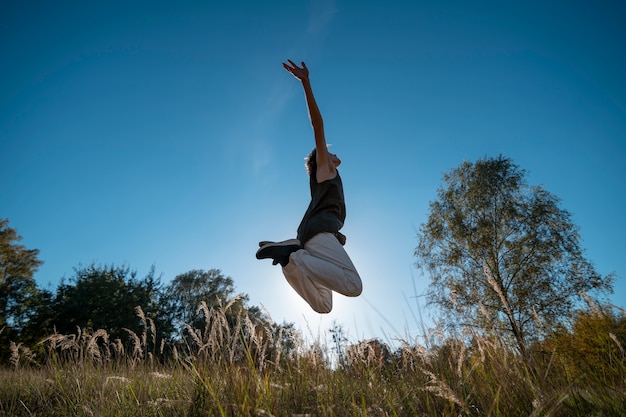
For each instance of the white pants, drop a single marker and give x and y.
(323, 266)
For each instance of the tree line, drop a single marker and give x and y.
(109, 297)
(503, 258)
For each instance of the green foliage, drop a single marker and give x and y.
(503, 256)
(106, 297)
(112, 299)
(19, 295)
(190, 297)
(187, 291)
(594, 347)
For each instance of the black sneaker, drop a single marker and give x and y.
(289, 241)
(278, 251)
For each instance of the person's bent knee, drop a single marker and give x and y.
(356, 285)
(323, 307)
(356, 291)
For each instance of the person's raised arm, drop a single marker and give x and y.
(302, 74)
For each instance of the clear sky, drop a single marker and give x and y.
(168, 134)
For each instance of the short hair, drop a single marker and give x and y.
(311, 162)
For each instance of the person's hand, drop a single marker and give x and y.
(300, 73)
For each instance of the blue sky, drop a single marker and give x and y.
(168, 134)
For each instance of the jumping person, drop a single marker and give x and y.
(316, 264)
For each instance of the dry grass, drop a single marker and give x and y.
(242, 369)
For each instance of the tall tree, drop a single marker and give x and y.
(502, 255)
(19, 294)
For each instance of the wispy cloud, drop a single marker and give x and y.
(253, 140)
(321, 13)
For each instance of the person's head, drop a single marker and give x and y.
(311, 161)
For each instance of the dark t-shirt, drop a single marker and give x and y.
(327, 210)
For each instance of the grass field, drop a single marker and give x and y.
(240, 370)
